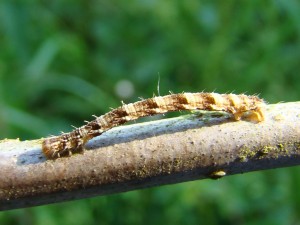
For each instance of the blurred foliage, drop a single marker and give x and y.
(62, 61)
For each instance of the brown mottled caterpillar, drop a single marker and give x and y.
(66, 144)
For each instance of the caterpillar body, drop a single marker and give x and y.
(237, 105)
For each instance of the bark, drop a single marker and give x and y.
(195, 146)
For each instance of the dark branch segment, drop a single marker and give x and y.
(66, 144)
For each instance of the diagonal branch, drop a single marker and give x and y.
(167, 151)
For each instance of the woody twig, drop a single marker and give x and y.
(190, 147)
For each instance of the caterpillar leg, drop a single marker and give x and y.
(252, 115)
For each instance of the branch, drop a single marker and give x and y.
(149, 154)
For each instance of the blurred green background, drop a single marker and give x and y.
(62, 61)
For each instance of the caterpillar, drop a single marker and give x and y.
(68, 143)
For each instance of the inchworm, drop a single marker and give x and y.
(237, 105)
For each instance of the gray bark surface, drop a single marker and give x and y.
(195, 146)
